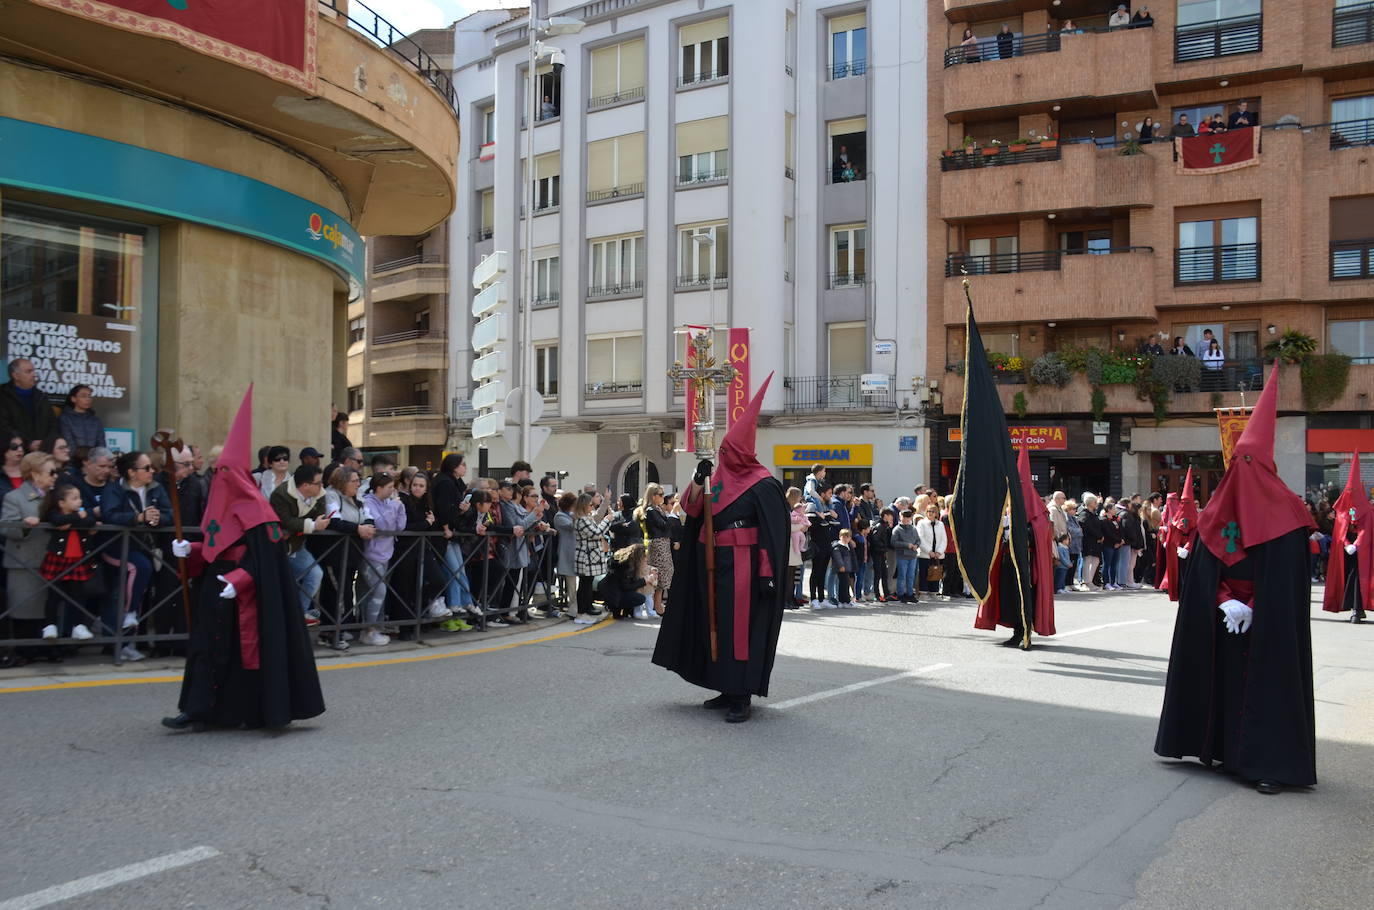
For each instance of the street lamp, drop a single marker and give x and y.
(557, 25)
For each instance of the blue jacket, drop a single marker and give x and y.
(119, 504)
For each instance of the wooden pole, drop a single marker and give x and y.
(710, 567)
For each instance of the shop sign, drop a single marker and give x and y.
(1037, 439)
(882, 348)
(832, 456)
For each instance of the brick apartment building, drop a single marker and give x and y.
(1093, 241)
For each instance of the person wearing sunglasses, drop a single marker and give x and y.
(14, 453)
(137, 501)
(278, 469)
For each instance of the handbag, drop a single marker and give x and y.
(936, 572)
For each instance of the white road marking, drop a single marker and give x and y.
(1110, 625)
(853, 687)
(109, 879)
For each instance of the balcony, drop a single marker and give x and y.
(624, 289)
(406, 352)
(404, 279)
(699, 282)
(1098, 287)
(708, 77)
(838, 281)
(1225, 263)
(856, 67)
(622, 97)
(1352, 134)
(1115, 64)
(1218, 38)
(836, 393)
(1352, 260)
(406, 425)
(1071, 175)
(627, 389)
(702, 178)
(628, 191)
(547, 301)
(959, 264)
(1352, 25)
(999, 156)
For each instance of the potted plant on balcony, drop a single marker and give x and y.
(1019, 145)
(1050, 142)
(1293, 346)
(993, 147)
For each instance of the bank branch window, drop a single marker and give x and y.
(74, 291)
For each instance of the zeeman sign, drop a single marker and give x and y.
(830, 456)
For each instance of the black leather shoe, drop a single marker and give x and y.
(719, 702)
(1269, 787)
(1013, 642)
(183, 721)
(739, 710)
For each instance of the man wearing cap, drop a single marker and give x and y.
(1121, 18)
(311, 456)
(1239, 690)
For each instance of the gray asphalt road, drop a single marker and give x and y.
(569, 772)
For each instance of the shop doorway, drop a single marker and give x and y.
(1171, 470)
(1076, 476)
(638, 472)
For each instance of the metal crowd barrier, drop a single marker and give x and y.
(113, 551)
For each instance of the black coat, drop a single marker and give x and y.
(448, 493)
(40, 423)
(684, 640)
(1093, 533)
(1245, 700)
(624, 530)
(215, 687)
(618, 581)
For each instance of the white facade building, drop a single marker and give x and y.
(677, 117)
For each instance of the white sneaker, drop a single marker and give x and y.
(130, 620)
(130, 653)
(50, 631)
(437, 610)
(373, 637)
(831, 605)
(81, 633)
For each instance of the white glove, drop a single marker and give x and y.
(228, 593)
(1006, 521)
(1182, 552)
(181, 548)
(1238, 616)
(1350, 548)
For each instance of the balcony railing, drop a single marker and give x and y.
(851, 174)
(841, 280)
(394, 264)
(546, 300)
(1352, 25)
(703, 177)
(615, 389)
(698, 78)
(1023, 45)
(409, 410)
(616, 290)
(629, 94)
(963, 264)
(1352, 134)
(836, 393)
(1352, 259)
(690, 282)
(1228, 262)
(629, 189)
(855, 67)
(390, 38)
(1239, 375)
(962, 160)
(1219, 38)
(394, 337)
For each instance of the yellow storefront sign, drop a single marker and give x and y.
(832, 456)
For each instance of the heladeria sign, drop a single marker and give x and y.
(69, 349)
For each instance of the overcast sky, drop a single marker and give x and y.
(410, 15)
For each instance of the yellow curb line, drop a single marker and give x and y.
(382, 662)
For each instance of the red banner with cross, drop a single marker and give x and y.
(1216, 152)
(273, 37)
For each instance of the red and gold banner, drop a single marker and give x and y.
(273, 37)
(1213, 153)
(739, 386)
(1231, 422)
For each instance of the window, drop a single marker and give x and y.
(698, 262)
(488, 125)
(848, 255)
(615, 167)
(1217, 28)
(487, 227)
(355, 398)
(421, 322)
(546, 370)
(1354, 338)
(1093, 240)
(705, 51)
(720, 337)
(848, 46)
(617, 73)
(1192, 12)
(1221, 249)
(1359, 107)
(1198, 113)
(1352, 237)
(848, 149)
(546, 182)
(1352, 24)
(547, 279)
(703, 150)
(616, 266)
(987, 254)
(848, 349)
(548, 102)
(1353, 120)
(419, 394)
(789, 128)
(1062, 336)
(615, 365)
(357, 330)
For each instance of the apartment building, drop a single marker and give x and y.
(1075, 235)
(697, 162)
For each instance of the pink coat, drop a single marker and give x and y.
(800, 524)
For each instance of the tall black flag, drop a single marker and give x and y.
(987, 486)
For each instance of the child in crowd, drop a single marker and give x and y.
(842, 561)
(905, 543)
(800, 525)
(862, 583)
(62, 509)
(1063, 563)
(388, 514)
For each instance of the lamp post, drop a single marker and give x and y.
(558, 25)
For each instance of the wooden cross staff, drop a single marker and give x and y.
(163, 440)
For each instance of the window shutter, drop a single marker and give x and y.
(601, 165)
(632, 65)
(846, 127)
(698, 32)
(546, 166)
(697, 136)
(631, 152)
(605, 71)
(848, 23)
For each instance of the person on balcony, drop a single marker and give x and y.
(1006, 42)
(1068, 28)
(1146, 129)
(1204, 127)
(1183, 129)
(1180, 348)
(548, 110)
(842, 171)
(1212, 362)
(1121, 18)
(970, 46)
(1242, 118)
(1218, 124)
(1142, 18)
